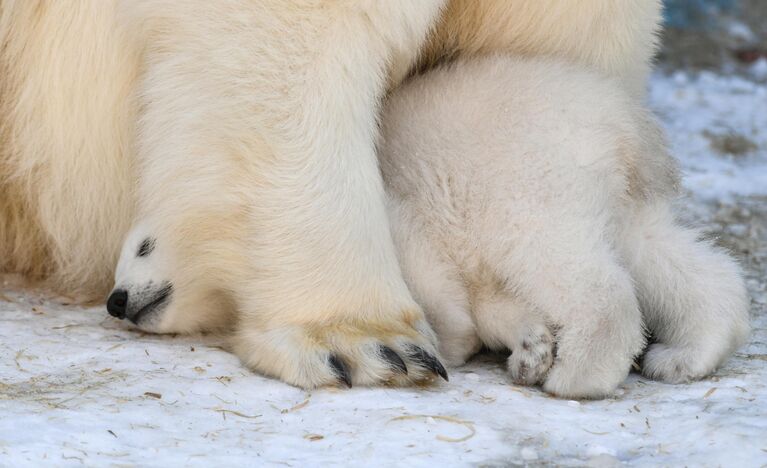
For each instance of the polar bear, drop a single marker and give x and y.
(159, 290)
(532, 195)
(116, 110)
(530, 205)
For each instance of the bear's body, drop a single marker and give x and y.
(616, 38)
(528, 195)
(255, 115)
(236, 113)
(72, 79)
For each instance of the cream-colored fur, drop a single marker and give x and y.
(526, 218)
(68, 108)
(67, 71)
(618, 38)
(265, 109)
(112, 110)
(530, 193)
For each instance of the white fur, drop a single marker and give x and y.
(521, 208)
(198, 301)
(527, 193)
(691, 293)
(244, 131)
(69, 107)
(259, 116)
(618, 38)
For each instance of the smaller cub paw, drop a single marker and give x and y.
(674, 365)
(532, 357)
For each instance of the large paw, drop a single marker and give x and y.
(311, 356)
(532, 357)
(675, 364)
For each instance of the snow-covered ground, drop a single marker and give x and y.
(80, 388)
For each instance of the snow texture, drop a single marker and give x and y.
(80, 388)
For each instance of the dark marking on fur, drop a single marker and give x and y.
(394, 360)
(340, 369)
(147, 247)
(427, 360)
(162, 297)
(525, 345)
(522, 375)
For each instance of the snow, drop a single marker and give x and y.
(701, 111)
(80, 388)
(740, 30)
(759, 69)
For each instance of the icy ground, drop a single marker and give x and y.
(80, 388)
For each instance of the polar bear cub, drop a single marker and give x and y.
(530, 201)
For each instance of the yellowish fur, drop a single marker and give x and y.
(618, 38)
(67, 70)
(526, 218)
(116, 109)
(67, 120)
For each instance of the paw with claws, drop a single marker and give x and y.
(346, 355)
(397, 365)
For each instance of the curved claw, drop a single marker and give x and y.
(340, 369)
(390, 356)
(427, 360)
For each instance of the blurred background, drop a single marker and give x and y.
(724, 35)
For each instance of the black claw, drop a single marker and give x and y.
(428, 361)
(390, 356)
(340, 369)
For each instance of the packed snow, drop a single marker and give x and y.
(80, 388)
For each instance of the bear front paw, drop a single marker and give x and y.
(347, 354)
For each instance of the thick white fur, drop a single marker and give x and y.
(520, 207)
(67, 172)
(527, 193)
(262, 111)
(255, 115)
(69, 70)
(618, 38)
(198, 301)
